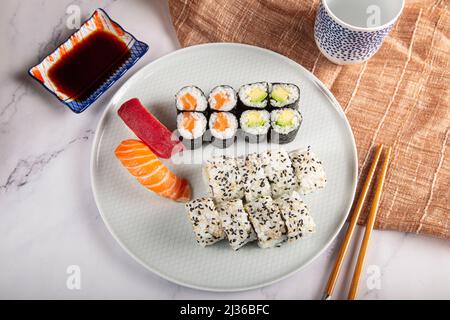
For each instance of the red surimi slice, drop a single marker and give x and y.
(149, 129)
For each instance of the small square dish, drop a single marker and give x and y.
(89, 62)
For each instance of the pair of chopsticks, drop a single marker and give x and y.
(354, 220)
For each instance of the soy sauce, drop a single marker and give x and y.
(88, 64)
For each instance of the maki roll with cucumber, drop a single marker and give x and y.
(191, 128)
(255, 125)
(191, 98)
(222, 98)
(254, 95)
(285, 123)
(223, 127)
(284, 95)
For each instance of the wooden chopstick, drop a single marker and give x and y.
(369, 227)
(351, 228)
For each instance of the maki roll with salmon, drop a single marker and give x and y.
(223, 127)
(191, 98)
(285, 124)
(191, 128)
(254, 95)
(284, 95)
(222, 98)
(255, 125)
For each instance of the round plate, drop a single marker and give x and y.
(155, 231)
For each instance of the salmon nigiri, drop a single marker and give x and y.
(145, 166)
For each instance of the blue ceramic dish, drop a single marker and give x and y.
(98, 20)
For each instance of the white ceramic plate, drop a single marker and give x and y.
(156, 232)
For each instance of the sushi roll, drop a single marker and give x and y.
(285, 124)
(267, 222)
(191, 128)
(223, 127)
(191, 98)
(254, 95)
(254, 179)
(284, 95)
(236, 224)
(205, 221)
(222, 98)
(255, 125)
(296, 215)
(308, 170)
(223, 178)
(278, 170)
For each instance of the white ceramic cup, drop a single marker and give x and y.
(352, 31)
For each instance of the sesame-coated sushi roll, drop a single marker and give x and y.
(254, 95)
(266, 219)
(278, 169)
(284, 95)
(191, 128)
(205, 221)
(255, 125)
(236, 224)
(222, 98)
(191, 98)
(295, 214)
(224, 178)
(308, 170)
(285, 123)
(254, 179)
(223, 127)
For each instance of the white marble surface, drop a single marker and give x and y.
(48, 218)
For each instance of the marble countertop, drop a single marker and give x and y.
(48, 218)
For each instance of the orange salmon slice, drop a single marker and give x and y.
(221, 98)
(188, 121)
(222, 122)
(189, 102)
(145, 166)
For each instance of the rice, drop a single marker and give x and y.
(236, 224)
(197, 93)
(267, 222)
(245, 90)
(205, 221)
(278, 169)
(255, 130)
(292, 99)
(254, 179)
(226, 91)
(308, 170)
(224, 179)
(199, 127)
(297, 120)
(229, 132)
(296, 215)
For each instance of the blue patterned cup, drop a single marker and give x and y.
(352, 31)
